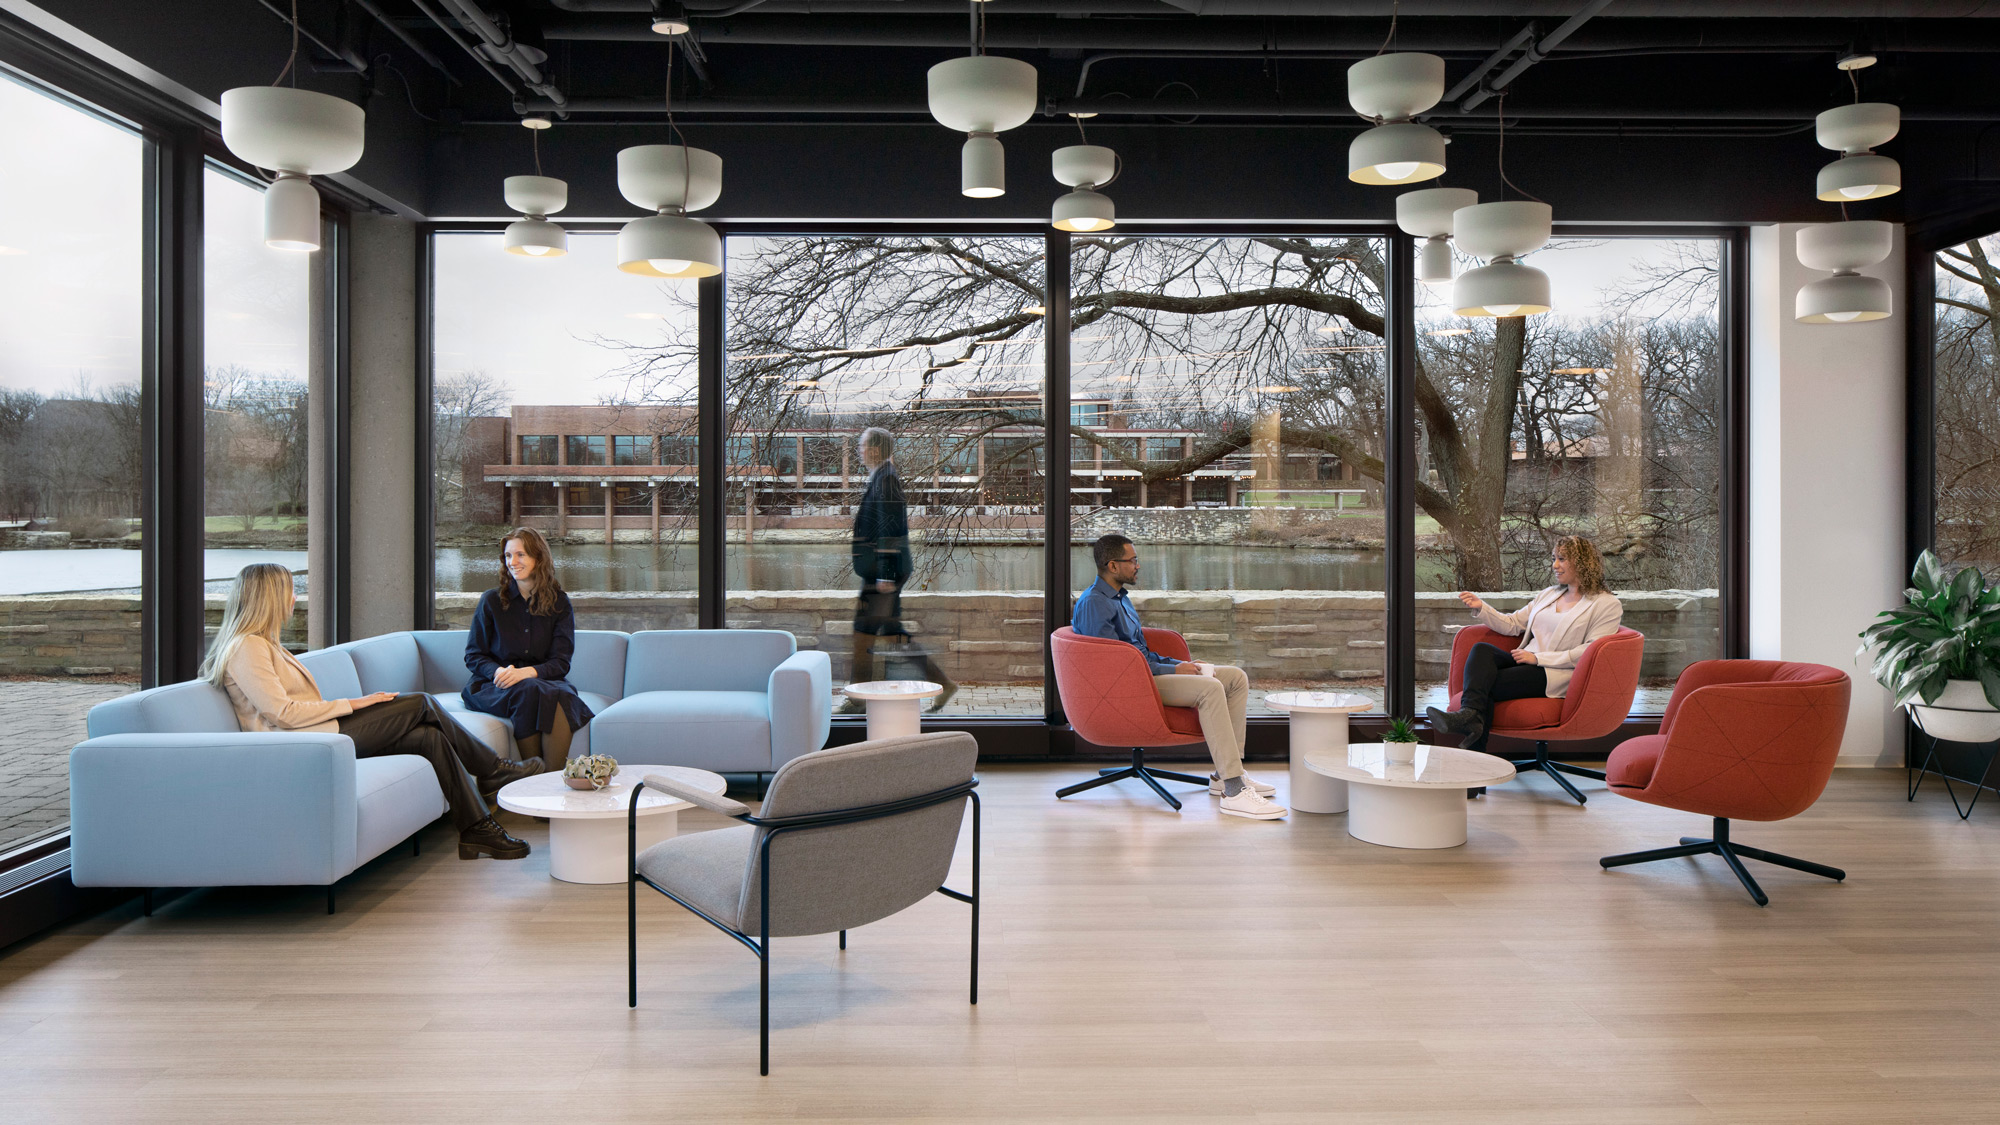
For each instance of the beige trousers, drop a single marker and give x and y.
(1222, 702)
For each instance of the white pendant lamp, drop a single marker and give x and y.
(1844, 249)
(1853, 130)
(537, 197)
(1085, 168)
(1500, 233)
(980, 96)
(1426, 214)
(1389, 90)
(670, 180)
(298, 134)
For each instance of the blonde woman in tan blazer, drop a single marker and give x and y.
(1560, 622)
(272, 691)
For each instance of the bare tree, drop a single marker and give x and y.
(457, 399)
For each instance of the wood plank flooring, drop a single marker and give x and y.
(1138, 966)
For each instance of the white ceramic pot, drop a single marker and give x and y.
(1400, 753)
(1961, 714)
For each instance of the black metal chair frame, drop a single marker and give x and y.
(1732, 853)
(761, 944)
(1140, 770)
(1541, 761)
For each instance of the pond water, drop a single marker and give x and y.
(816, 566)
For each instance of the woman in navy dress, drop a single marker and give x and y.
(523, 635)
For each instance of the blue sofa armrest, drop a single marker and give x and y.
(801, 693)
(212, 810)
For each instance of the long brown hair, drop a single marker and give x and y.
(542, 599)
(1582, 554)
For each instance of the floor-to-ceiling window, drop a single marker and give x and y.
(1965, 372)
(1600, 419)
(71, 321)
(256, 395)
(936, 344)
(563, 400)
(1227, 412)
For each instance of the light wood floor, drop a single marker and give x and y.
(1138, 966)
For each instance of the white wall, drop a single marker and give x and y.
(1826, 482)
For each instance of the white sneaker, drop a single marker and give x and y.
(1263, 790)
(1252, 804)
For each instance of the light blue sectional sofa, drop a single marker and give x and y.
(169, 792)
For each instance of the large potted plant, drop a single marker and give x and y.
(1939, 652)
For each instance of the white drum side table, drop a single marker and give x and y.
(587, 827)
(1318, 722)
(1421, 805)
(895, 707)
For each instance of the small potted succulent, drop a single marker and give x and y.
(592, 771)
(1939, 652)
(1399, 742)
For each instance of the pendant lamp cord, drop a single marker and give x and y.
(1856, 83)
(294, 56)
(535, 138)
(1503, 155)
(1391, 37)
(674, 129)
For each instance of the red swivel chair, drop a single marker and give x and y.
(1108, 694)
(1599, 697)
(1749, 739)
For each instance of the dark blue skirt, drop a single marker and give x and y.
(530, 704)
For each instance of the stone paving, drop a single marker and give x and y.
(34, 751)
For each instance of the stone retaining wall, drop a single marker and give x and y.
(1275, 635)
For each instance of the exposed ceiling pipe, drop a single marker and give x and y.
(409, 40)
(352, 59)
(1535, 53)
(1121, 107)
(501, 47)
(451, 32)
(1485, 68)
(1188, 33)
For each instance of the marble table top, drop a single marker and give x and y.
(892, 689)
(545, 794)
(1436, 767)
(1317, 702)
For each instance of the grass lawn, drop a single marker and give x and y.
(226, 524)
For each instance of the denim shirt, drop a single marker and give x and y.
(1104, 612)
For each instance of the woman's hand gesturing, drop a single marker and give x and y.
(1471, 600)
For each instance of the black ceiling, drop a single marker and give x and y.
(1647, 110)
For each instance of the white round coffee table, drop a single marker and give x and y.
(1319, 722)
(894, 706)
(1421, 805)
(587, 837)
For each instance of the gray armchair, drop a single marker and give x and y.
(845, 837)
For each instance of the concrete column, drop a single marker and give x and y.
(1826, 482)
(383, 412)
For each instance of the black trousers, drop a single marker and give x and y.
(415, 724)
(1491, 675)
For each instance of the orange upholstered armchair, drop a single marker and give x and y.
(1599, 697)
(1742, 739)
(1108, 695)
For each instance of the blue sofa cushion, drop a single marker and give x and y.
(441, 660)
(333, 670)
(193, 707)
(598, 666)
(387, 663)
(710, 730)
(726, 660)
(394, 795)
(496, 732)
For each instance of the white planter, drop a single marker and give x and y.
(1961, 714)
(1400, 753)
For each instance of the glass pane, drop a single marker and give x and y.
(555, 377)
(71, 317)
(1968, 406)
(1239, 449)
(938, 343)
(1610, 408)
(256, 387)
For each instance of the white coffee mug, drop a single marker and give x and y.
(1206, 669)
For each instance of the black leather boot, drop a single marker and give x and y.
(1462, 721)
(509, 771)
(487, 836)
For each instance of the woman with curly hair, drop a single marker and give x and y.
(1560, 622)
(519, 647)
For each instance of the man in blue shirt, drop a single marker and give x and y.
(1222, 699)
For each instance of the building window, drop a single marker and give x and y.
(535, 499)
(1167, 449)
(632, 500)
(741, 452)
(631, 450)
(585, 499)
(585, 450)
(538, 449)
(677, 450)
(823, 455)
(1965, 370)
(1088, 413)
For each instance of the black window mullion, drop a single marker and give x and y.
(1735, 452)
(1056, 482)
(1399, 448)
(171, 410)
(711, 490)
